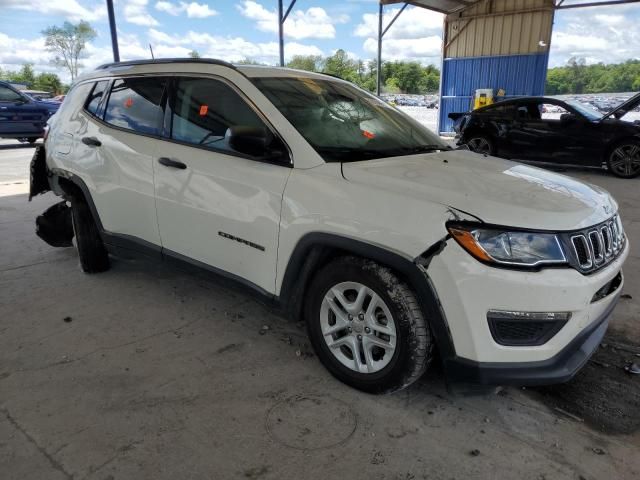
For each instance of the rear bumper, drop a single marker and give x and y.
(558, 369)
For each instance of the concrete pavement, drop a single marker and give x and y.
(146, 372)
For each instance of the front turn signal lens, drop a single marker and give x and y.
(468, 242)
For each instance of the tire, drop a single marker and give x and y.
(396, 310)
(32, 140)
(91, 250)
(480, 144)
(624, 159)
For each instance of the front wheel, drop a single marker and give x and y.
(366, 326)
(624, 159)
(480, 144)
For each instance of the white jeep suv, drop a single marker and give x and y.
(341, 210)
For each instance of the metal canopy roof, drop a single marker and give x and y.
(453, 6)
(442, 6)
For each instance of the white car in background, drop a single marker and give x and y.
(341, 210)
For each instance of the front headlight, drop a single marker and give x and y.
(505, 247)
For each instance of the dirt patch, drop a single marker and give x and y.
(602, 394)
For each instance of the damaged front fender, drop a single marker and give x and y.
(55, 225)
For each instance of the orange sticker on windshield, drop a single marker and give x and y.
(369, 135)
(203, 110)
(128, 102)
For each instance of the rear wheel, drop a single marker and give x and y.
(624, 159)
(91, 250)
(480, 144)
(366, 326)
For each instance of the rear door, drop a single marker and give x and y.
(114, 149)
(217, 206)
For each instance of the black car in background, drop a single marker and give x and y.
(21, 116)
(550, 130)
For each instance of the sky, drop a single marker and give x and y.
(234, 30)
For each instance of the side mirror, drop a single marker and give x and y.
(568, 118)
(254, 141)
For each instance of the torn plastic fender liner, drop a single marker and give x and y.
(55, 226)
(425, 257)
(39, 182)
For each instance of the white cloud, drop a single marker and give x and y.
(193, 9)
(412, 23)
(135, 11)
(415, 35)
(226, 48)
(69, 9)
(427, 49)
(314, 22)
(595, 36)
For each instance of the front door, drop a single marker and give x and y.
(217, 206)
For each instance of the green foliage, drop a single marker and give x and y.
(67, 43)
(397, 77)
(310, 63)
(248, 61)
(48, 82)
(194, 54)
(577, 77)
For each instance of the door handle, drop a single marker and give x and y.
(167, 162)
(91, 141)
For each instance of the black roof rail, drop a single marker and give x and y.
(128, 63)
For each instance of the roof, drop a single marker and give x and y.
(196, 65)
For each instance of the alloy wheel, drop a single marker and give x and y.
(625, 160)
(480, 145)
(358, 327)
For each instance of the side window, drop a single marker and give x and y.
(549, 111)
(9, 95)
(528, 111)
(204, 109)
(502, 110)
(93, 101)
(134, 104)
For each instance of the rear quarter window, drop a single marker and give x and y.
(134, 104)
(93, 101)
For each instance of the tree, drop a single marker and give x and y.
(67, 43)
(49, 82)
(311, 63)
(340, 65)
(194, 54)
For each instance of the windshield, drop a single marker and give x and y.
(586, 110)
(343, 123)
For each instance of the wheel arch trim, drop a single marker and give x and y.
(308, 254)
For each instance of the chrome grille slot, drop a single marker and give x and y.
(597, 246)
(606, 240)
(597, 249)
(581, 247)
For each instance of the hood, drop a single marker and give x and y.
(496, 191)
(621, 110)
